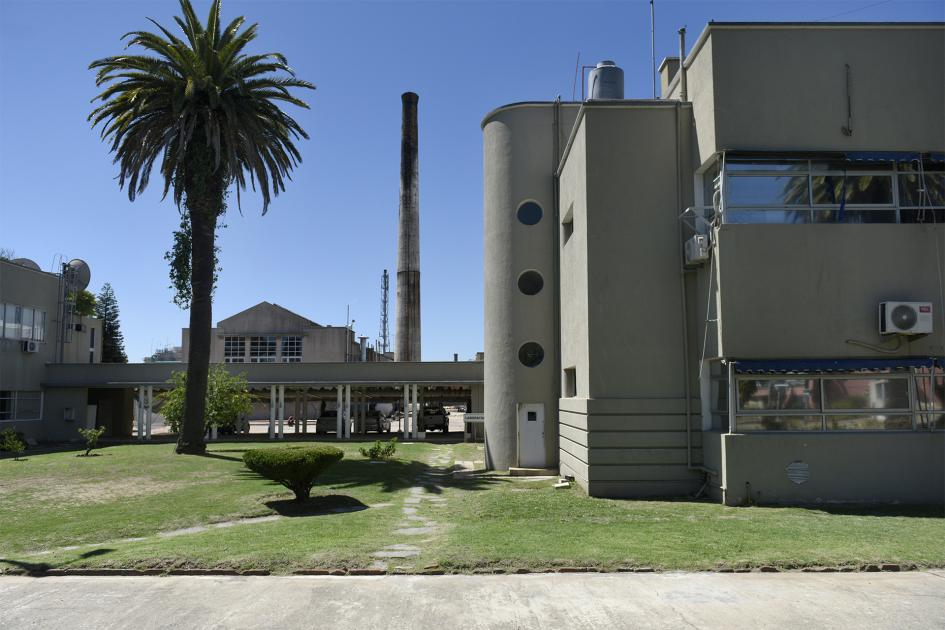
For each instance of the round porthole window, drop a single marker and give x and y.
(529, 213)
(530, 282)
(531, 354)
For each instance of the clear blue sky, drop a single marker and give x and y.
(324, 242)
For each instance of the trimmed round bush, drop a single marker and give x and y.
(295, 468)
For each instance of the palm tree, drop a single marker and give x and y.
(211, 114)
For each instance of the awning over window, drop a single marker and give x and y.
(800, 366)
(891, 156)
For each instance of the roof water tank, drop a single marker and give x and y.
(606, 82)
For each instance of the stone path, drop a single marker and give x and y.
(427, 488)
(167, 534)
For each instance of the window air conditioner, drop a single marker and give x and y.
(905, 318)
(30, 346)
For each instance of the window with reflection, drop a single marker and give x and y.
(866, 393)
(234, 349)
(292, 349)
(767, 190)
(874, 401)
(778, 393)
(262, 349)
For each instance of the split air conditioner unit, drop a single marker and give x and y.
(697, 250)
(905, 318)
(80, 327)
(30, 346)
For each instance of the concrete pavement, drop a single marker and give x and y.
(670, 600)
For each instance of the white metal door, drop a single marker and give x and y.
(531, 435)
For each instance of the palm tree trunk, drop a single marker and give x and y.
(204, 202)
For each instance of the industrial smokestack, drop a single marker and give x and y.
(408, 237)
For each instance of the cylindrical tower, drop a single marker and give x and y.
(520, 277)
(408, 241)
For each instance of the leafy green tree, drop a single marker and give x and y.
(91, 437)
(227, 399)
(210, 113)
(113, 342)
(85, 303)
(12, 442)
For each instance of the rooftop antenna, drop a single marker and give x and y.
(384, 344)
(653, 45)
(577, 68)
(74, 277)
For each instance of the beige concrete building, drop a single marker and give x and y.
(34, 332)
(293, 367)
(269, 333)
(649, 261)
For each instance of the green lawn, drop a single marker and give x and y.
(142, 506)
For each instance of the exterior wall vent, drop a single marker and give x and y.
(798, 472)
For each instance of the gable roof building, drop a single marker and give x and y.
(270, 333)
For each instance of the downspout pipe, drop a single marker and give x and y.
(556, 204)
(683, 272)
(683, 88)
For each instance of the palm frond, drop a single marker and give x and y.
(195, 94)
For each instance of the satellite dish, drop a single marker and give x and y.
(83, 274)
(26, 262)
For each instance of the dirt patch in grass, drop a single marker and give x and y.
(97, 491)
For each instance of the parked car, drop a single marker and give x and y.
(376, 421)
(434, 418)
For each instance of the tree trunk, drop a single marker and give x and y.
(204, 201)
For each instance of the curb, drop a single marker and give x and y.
(102, 572)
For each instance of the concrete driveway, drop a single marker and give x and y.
(670, 600)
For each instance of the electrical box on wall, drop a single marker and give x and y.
(905, 318)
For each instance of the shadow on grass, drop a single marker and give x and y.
(391, 476)
(42, 567)
(216, 455)
(397, 475)
(921, 511)
(28, 567)
(317, 505)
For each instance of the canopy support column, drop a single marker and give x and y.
(141, 412)
(404, 418)
(304, 411)
(338, 415)
(148, 417)
(415, 416)
(272, 412)
(347, 423)
(281, 412)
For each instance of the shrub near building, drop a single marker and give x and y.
(295, 468)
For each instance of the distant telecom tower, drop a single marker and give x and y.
(385, 300)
